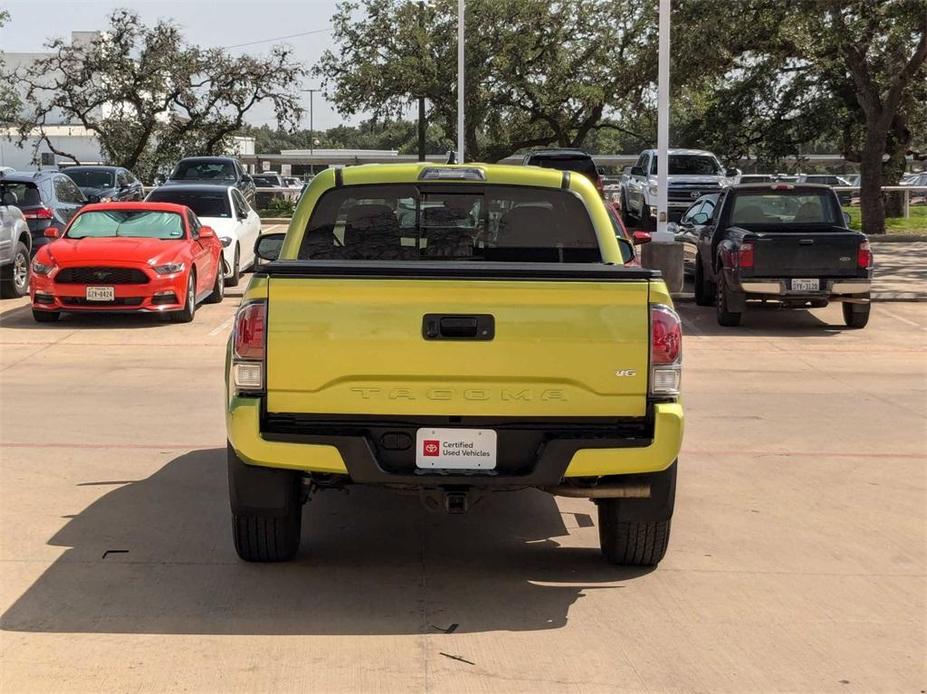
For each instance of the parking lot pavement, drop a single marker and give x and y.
(797, 561)
(900, 271)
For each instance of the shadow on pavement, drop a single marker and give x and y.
(372, 562)
(765, 321)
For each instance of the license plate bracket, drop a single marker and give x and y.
(455, 449)
(806, 285)
(100, 294)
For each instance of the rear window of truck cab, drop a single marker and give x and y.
(785, 208)
(456, 222)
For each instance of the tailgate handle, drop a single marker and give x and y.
(449, 326)
(806, 242)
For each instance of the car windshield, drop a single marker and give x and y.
(690, 165)
(784, 208)
(91, 179)
(151, 224)
(401, 222)
(19, 194)
(203, 171)
(203, 203)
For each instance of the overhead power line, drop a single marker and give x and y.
(281, 38)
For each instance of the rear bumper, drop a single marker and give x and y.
(757, 288)
(357, 455)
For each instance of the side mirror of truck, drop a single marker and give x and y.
(846, 219)
(637, 171)
(732, 173)
(268, 246)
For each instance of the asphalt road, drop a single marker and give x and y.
(797, 560)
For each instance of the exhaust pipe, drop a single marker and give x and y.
(602, 491)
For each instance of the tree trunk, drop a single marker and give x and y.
(871, 205)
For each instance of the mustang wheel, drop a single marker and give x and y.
(185, 315)
(218, 289)
(235, 277)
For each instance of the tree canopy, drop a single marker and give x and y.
(538, 71)
(149, 97)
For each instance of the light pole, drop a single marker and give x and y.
(663, 114)
(311, 127)
(460, 81)
(421, 98)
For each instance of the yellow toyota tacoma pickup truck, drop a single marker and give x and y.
(453, 330)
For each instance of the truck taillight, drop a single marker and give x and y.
(665, 351)
(248, 347)
(745, 255)
(864, 256)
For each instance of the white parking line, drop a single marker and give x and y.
(223, 326)
(903, 319)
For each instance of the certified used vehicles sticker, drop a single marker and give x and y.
(455, 449)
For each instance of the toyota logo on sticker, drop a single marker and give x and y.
(431, 448)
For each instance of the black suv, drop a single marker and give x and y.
(106, 182)
(567, 160)
(225, 171)
(46, 198)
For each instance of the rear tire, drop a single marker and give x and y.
(856, 316)
(267, 539)
(45, 316)
(235, 277)
(726, 317)
(704, 292)
(15, 280)
(185, 315)
(631, 543)
(266, 509)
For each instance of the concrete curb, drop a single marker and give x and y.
(276, 220)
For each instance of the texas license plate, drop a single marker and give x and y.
(806, 285)
(101, 293)
(455, 449)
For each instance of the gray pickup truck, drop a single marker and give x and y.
(777, 242)
(15, 246)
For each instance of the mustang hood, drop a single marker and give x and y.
(95, 250)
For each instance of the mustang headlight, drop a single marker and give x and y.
(169, 268)
(41, 268)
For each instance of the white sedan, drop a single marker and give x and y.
(225, 210)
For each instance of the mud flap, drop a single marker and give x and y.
(261, 491)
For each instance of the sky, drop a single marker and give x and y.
(208, 23)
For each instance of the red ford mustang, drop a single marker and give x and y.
(127, 257)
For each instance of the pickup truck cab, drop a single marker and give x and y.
(692, 173)
(453, 331)
(781, 242)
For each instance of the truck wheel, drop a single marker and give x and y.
(648, 220)
(727, 318)
(631, 543)
(856, 315)
(704, 292)
(15, 280)
(626, 216)
(266, 510)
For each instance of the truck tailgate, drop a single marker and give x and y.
(806, 254)
(356, 346)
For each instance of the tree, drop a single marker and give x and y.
(9, 101)
(788, 74)
(149, 97)
(538, 72)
